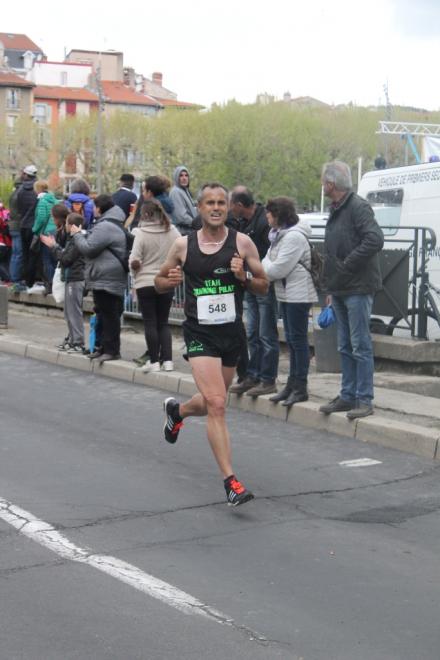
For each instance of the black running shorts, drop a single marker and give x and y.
(225, 341)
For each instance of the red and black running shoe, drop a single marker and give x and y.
(236, 493)
(173, 421)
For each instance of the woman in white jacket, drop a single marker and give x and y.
(287, 264)
(153, 238)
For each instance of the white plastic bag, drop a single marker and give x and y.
(58, 286)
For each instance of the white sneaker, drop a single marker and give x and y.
(168, 365)
(150, 367)
(37, 288)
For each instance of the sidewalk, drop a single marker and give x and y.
(407, 410)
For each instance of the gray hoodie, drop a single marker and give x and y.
(284, 261)
(185, 209)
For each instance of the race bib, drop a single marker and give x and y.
(214, 310)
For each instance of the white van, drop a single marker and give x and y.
(408, 197)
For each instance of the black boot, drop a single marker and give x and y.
(298, 394)
(285, 392)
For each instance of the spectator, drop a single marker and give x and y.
(288, 264)
(124, 197)
(59, 215)
(185, 209)
(105, 248)
(16, 261)
(72, 273)
(351, 277)
(261, 309)
(154, 187)
(44, 225)
(153, 239)
(26, 204)
(79, 201)
(5, 244)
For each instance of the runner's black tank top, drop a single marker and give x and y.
(210, 274)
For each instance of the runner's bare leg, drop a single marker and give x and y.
(213, 381)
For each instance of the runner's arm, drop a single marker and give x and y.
(170, 274)
(247, 252)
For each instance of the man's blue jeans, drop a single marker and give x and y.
(262, 335)
(296, 325)
(16, 261)
(355, 346)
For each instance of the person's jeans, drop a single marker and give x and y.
(296, 324)
(262, 335)
(49, 264)
(355, 346)
(16, 262)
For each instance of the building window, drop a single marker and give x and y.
(13, 99)
(11, 121)
(43, 138)
(42, 113)
(63, 78)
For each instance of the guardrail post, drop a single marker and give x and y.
(3, 306)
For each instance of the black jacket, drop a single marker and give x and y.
(124, 199)
(26, 204)
(71, 260)
(353, 240)
(257, 228)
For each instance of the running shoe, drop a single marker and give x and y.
(77, 348)
(236, 493)
(65, 345)
(173, 421)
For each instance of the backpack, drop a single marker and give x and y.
(316, 266)
(129, 240)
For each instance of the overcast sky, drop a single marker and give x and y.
(334, 50)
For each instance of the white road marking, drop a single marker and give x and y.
(46, 535)
(360, 462)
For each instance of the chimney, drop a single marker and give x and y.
(157, 78)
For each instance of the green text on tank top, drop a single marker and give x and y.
(213, 295)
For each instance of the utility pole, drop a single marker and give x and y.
(99, 130)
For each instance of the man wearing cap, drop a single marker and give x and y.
(26, 204)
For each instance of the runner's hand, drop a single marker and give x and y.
(175, 276)
(237, 267)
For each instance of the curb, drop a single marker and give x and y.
(383, 431)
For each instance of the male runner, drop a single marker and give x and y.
(213, 260)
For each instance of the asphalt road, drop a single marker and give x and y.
(330, 562)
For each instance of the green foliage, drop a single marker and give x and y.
(274, 149)
(6, 188)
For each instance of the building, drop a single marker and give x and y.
(118, 96)
(64, 74)
(109, 62)
(15, 99)
(18, 52)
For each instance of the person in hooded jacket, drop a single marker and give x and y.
(185, 209)
(44, 225)
(287, 264)
(79, 201)
(153, 238)
(105, 248)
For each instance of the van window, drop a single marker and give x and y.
(387, 207)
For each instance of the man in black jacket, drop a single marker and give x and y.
(26, 204)
(261, 310)
(124, 197)
(351, 277)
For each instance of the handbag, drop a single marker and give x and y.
(326, 317)
(58, 286)
(35, 244)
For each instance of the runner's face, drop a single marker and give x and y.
(213, 207)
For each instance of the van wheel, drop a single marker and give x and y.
(397, 319)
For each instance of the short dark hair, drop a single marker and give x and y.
(128, 179)
(157, 184)
(60, 211)
(244, 197)
(75, 219)
(80, 186)
(104, 203)
(211, 186)
(283, 210)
